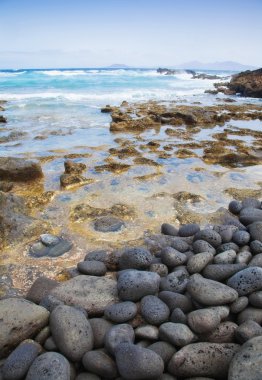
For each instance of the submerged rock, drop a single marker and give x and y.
(17, 169)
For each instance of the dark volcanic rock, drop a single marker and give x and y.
(209, 292)
(246, 281)
(203, 359)
(221, 272)
(175, 281)
(49, 366)
(93, 268)
(163, 349)
(177, 334)
(176, 300)
(18, 362)
(200, 246)
(121, 312)
(235, 207)
(210, 236)
(100, 328)
(17, 169)
(137, 363)
(147, 332)
(168, 229)
(255, 230)
(133, 284)
(248, 330)
(100, 363)
(255, 299)
(154, 310)
(135, 258)
(108, 224)
(246, 364)
(188, 229)
(71, 332)
(250, 215)
(247, 83)
(172, 258)
(203, 321)
(118, 334)
(198, 262)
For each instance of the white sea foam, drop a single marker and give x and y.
(65, 73)
(10, 74)
(113, 97)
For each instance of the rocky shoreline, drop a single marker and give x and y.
(181, 304)
(184, 305)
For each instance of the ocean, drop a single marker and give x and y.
(65, 103)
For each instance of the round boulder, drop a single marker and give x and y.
(203, 359)
(209, 292)
(18, 362)
(133, 284)
(188, 229)
(92, 268)
(49, 366)
(138, 363)
(118, 334)
(247, 362)
(203, 321)
(246, 281)
(121, 312)
(153, 310)
(99, 363)
(135, 258)
(71, 332)
(177, 334)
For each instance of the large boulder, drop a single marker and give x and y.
(247, 83)
(71, 332)
(17, 169)
(20, 320)
(203, 359)
(92, 293)
(247, 363)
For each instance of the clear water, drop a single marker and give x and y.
(58, 112)
(63, 106)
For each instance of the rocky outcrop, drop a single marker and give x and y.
(247, 83)
(72, 176)
(2, 119)
(166, 71)
(17, 169)
(15, 222)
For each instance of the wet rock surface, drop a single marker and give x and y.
(16, 169)
(247, 83)
(188, 309)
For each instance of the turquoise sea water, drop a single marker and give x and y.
(60, 108)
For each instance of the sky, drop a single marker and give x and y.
(143, 33)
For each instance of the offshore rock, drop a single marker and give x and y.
(247, 83)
